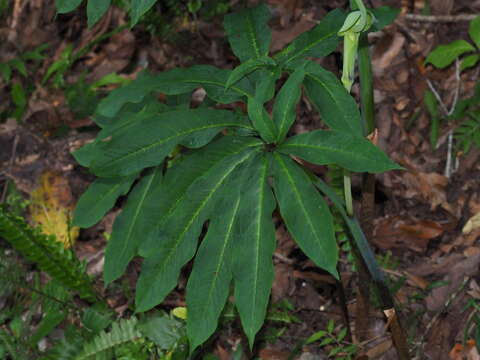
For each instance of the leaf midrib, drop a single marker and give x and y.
(167, 139)
(222, 253)
(326, 149)
(304, 210)
(257, 238)
(137, 212)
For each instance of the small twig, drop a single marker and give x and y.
(448, 165)
(458, 82)
(437, 96)
(440, 18)
(283, 258)
(421, 343)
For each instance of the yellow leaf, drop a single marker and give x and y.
(180, 312)
(51, 207)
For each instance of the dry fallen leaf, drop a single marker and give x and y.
(405, 232)
(472, 224)
(51, 207)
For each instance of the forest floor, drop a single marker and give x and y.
(419, 235)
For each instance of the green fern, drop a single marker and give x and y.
(49, 254)
(468, 132)
(123, 331)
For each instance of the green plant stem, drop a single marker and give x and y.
(347, 188)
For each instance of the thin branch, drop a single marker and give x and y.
(440, 18)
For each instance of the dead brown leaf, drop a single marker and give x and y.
(280, 38)
(405, 232)
(427, 186)
(273, 354)
(455, 277)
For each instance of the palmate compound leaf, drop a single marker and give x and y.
(175, 82)
(100, 197)
(177, 237)
(318, 42)
(248, 32)
(149, 140)
(155, 200)
(323, 147)
(209, 283)
(178, 179)
(335, 105)
(305, 212)
(254, 246)
(129, 227)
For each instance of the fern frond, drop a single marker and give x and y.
(49, 254)
(123, 331)
(10, 346)
(468, 133)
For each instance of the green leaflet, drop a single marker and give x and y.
(384, 15)
(305, 213)
(65, 6)
(86, 154)
(99, 198)
(248, 32)
(209, 283)
(264, 80)
(247, 67)
(123, 331)
(285, 103)
(324, 147)
(175, 82)
(445, 55)
(254, 246)
(138, 8)
(318, 42)
(178, 235)
(261, 120)
(474, 31)
(177, 180)
(95, 10)
(469, 61)
(149, 140)
(122, 122)
(335, 105)
(129, 227)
